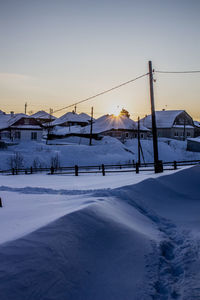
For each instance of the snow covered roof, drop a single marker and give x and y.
(196, 123)
(42, 115)
(60, 130)
(6, 120)
(71, 117)
(109, 122)
(164, 118)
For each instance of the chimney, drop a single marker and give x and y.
(12, 113)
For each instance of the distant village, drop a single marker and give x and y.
(172, 124)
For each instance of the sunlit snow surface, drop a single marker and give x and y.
(116, 237)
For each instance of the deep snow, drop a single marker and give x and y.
(139, 241)
(76, 151)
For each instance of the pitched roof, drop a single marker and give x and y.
(71, 117)
(7, 120)
(42, 115)
(164, 118)
(109, 122)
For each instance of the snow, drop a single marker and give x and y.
(76, 151)
(7, 120)
(197, 139)
(164, 118)
(63, 130)
(42, 114)
(109, 122)
(71, 117)
(135, 241)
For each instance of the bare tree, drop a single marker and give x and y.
(55, 161)
(16, 161)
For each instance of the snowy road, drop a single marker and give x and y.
(112, 242)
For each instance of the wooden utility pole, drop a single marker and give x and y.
(25, 108)
(138, 136)
(157, 164)
(91, 123)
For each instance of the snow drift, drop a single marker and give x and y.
(135, 242)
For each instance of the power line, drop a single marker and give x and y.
(101, 93)
(177, 72)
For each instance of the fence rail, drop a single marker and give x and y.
(103, 168)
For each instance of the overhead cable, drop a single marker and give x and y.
(101, 93)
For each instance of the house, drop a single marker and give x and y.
(174, 124)
(72, 119)
(196, 128)
(19, 127)
(120, 127)
(193, 144)
(43, 117)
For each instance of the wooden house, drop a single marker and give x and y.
(174, 124)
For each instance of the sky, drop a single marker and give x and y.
(56, 53)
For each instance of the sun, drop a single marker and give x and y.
(115, 110)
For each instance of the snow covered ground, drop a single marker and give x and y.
(76, 151)
(118, 237)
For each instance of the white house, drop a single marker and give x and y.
(19, 127)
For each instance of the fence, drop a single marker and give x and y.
(102, 169)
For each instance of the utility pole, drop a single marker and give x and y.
(49, 125)
(25, 108)
(75, 108)
(138, 136)
(91, 123)
(184, 135)
(157, 164)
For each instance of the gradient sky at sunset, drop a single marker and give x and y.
(54, 53)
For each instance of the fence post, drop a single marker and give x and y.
(175, 165)
(76, 170)
(137, 168)
(133, 163)
(16, 171)
(103, 169)
(1, 205)
(52, 169)
(31, 170)
(13, 171)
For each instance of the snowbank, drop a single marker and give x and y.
(135, 242)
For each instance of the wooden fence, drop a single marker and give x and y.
(102, 169)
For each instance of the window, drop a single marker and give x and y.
(18, 135)
(34, 135)
(142, 135)
(176, 133)
(188, 133)
(126, 134)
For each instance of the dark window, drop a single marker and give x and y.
(188, 133)
(176, 133)
(18, 135)
(34, 135)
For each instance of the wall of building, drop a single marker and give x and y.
(123, 135)
(175, 133)
(26, 135)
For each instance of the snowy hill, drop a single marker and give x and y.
(139, 241)
(75, 150)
